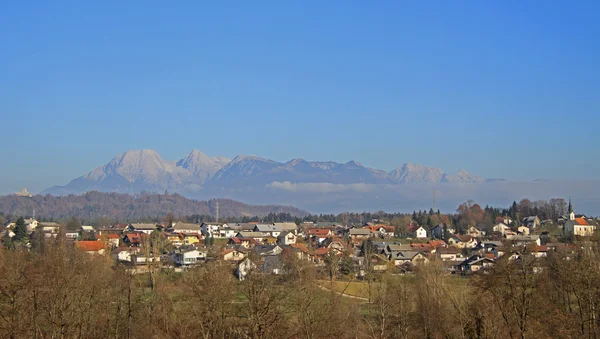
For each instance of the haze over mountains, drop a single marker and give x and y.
(146, 170)
(317, 186)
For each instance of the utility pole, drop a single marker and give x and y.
(217, 211)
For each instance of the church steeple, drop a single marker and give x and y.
(571, 213)
(570, 206)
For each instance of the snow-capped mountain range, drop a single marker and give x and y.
(146, 170)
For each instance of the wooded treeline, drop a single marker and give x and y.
(117, 207)
(54, 291)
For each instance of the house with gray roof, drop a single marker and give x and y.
(268, 229)
(143, 228)
(182, 227)
(267, 250)
(253, 235)
(408, 257)
(272, 264)
(360, 233)
(287, 227)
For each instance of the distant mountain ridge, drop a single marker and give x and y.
(146, 171)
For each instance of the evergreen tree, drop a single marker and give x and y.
(8, 243)
(20, 230)
(431, 211)
(38, 242)
(514, 209)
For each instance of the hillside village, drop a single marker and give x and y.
(355, 250)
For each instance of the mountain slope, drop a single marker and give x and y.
(245, 170)
(414, 173)
(197, 174)
(144, 170)
(129, 208)
(202, 166)
(462, 176)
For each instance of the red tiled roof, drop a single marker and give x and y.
(413, 228)
(300, 246)
(463, 238)
(240, 240)
(319, 232)
(90, 246)
(437, 243)
(581, 221)
(112, 236)
(321, 251)
(135, 238)
(489, 255)
(377, 227)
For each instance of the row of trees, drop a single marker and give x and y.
(98, 207)
(58, 292)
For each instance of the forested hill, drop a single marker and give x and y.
(125, 207)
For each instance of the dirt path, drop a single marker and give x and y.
(366, 301)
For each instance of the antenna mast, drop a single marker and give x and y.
(217, 211)
(434, 200)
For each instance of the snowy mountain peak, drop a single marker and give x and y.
(462, 176)
(132, 165)
(415, 173)
(202, 165)
(146, 170)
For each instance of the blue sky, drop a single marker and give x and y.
(503, 89)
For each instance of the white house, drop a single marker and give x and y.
(421, 232)
(475, 232)
(287, 227)
(501, 228)
(227, 232)
(523, 230)
(188, 257)
(50, 229)
(578, 226)
(404, 257)
(212, 229)
(462, 241)
(287, 238)
(86, 229)
(125, 254)
(143, 228)
(30, 223)
(182, 227)
(268, 229)
(450, 254)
